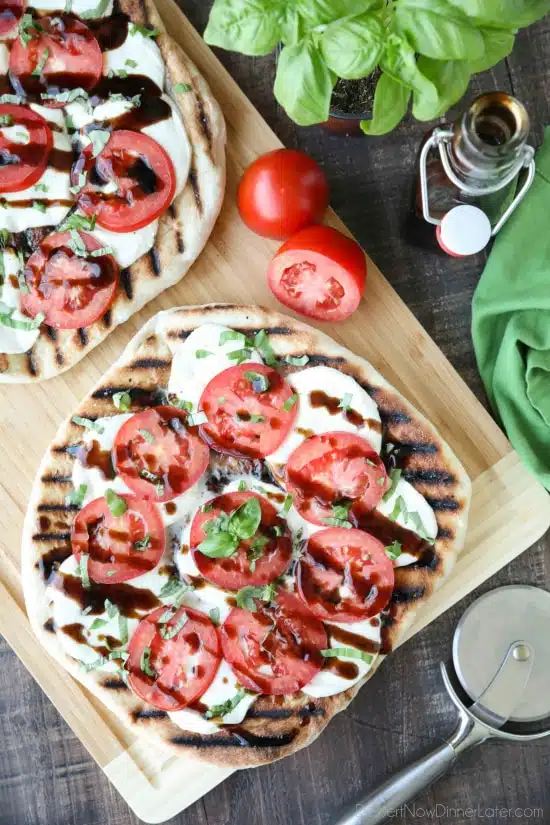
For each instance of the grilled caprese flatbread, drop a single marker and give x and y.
(235, 527)
(112, 174)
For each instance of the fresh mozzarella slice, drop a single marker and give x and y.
(172, 136)
(139, 50)
(4, 58)
(127, 247)
(320, 390)
(190, 374)
(412, 512)
(327, 682)
(13, 341)
(66, 612)
(16, 134)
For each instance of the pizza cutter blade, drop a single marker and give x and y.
(499, 685)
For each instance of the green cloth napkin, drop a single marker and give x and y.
(511, 323)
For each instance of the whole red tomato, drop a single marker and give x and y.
(281, 192)
(319, 273)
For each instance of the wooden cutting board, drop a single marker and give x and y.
(509, 512)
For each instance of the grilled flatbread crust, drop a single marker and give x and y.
(183, 230)
(275, 726)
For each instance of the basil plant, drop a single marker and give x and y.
(426, 50)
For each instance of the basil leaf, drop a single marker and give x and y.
(99, 10)
(145, 665)
(148, 436)
(111, 609)
(226, 707)
(115, 503)
(87, 666)
(82, 571)
(246, 519)
(252, 27)
(231, 335)
(203, 353)
(7, 319)
(240, 355)
(143, 544)
(246, 596)
(145, 31)
(122, 400)
(215, 615)
(297, 360)
(287, 504)
(504, 13)
(340, 515)
(39, 68)
(172, 631)
(219, 545)
(450, 78)
(418, 525)
(154, 479)
(393, 550)
(352, 46)
(303, 83)
(75, 221)
(395, 476)
(174, 590)
(97, 624)
(348, 653)
(438, 29)
(289, 403)
(76, 497)
(315, 12)
(498, 45)
(260, 383)
(399, 61)
(391, 100)
(182, 87)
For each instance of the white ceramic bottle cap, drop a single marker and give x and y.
(464, 230)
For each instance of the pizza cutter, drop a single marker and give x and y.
(499, 683)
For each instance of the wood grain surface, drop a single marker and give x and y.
(46, 776)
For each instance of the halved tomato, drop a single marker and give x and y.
(345, 575)
(174, 656)
(276, 649)
(157, 455)
(71, 290)
(143, 175)
(26, 141)
(119, 548)
(244, 418)
(61, 53)
(11, 12)
(334, 475)
(319, 273)
(256, 560)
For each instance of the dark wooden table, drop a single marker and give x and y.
(47, 777)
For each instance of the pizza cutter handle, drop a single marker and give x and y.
(406, 785)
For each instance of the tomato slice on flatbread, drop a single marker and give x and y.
(71, 290)
(345, 575)
(275, 650)
(60, 54)
(173, 657)
(129, 184)
(248, 415)
(122, 547)
(11, 12)
(333, 474)
(157, 455)
(26, 141)
(255, 560)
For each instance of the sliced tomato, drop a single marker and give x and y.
(157, 455)
(276, 649)
(22, 163)
(183, 665)
(62, 53)
(257, 560)
(144, 176)
(319, 273)
(119, 548)
(335, 475)
(72, 291)
(243, 420)
(345, 575)
(11, 12)
(281, 192)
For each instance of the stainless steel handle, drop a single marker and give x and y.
(401, 788)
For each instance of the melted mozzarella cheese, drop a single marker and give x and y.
(138, 49)
(4, 58)
(317, 420)
(127, 247)
(190, 375)
(13, 341)
(172, 136)
(413, 506)
(326, 682)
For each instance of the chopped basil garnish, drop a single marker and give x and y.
(144, 664)
(137, 28)
(289, 403)
(27, 29)
(345, 402)
(6, 120)
(99, 139)
(111, 609)
(240, 355)
(395, 476)
(103, 250)
(143, 543)
(131, 63)
(393, 550)
(93, 665)
(203, 353)
(246, 596)
(340, 515)
(400, 508)
(181, 87)
(119, 653)
(68, 6)
(39, 68)
(231, 335)
(74, 190)
(117, 73)
(122, 629)
(154, 479)
(77, 244)
(83, 571)
(215, 615)
(297, 360)
(175, 401)
(226, 707)
(263, 345)
(99, 10)
(149, 437)
(256, 419)
(7, 319)
(97, 624)
(87, 610)
(40, 205)
(16, 99)
(170, 632)
(88, 423)
(76, 221)
(260, 383)
(256, 551)
(69, 96)
(242, 486)
(225, 533)
(348, 653)
(174, 590)
(122, 401)
(40, 187)
(115, 503)
(76, 497)
(418, 525)
(287, 504)
(207, 508)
